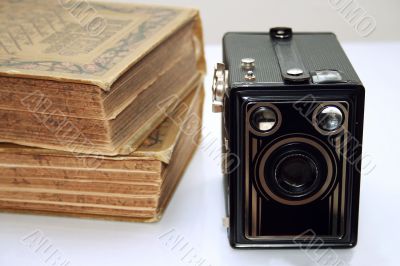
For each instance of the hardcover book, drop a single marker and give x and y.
(133, 187)
(86, 77)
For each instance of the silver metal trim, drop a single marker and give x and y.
(220, 84)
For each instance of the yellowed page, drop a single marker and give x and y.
(81, 41)
(157, 146)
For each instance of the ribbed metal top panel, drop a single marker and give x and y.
(317, 51)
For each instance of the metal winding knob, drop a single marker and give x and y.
(220, 84)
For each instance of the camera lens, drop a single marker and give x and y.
(296, 173)
(264, 119)
(330, 118)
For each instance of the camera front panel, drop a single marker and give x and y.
(298, 175)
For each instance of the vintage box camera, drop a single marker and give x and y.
(292, 120)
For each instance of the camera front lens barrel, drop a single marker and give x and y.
(296, 173)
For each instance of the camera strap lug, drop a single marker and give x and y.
(291, 65)
(224, 163)
(220, 84)
(225, 222)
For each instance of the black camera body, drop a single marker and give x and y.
(292, 120)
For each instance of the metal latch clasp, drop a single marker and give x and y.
(220, 84)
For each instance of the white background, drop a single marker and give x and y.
(220, 16)
(196, 210)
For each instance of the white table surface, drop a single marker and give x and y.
(195, 212)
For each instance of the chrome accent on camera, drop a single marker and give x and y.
(226, 144)
(264, 119)
(220, 84)
(327, 76)
(250, 76)
(248, 63)
(329, 118)
(225, 222)
(253, 127)
(295, 71)
(224, 162)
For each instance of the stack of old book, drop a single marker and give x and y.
(100, 106)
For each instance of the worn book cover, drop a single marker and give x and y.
(90, 77)
(83, 41)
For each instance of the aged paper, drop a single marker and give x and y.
(158, 145)
(81, 41)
